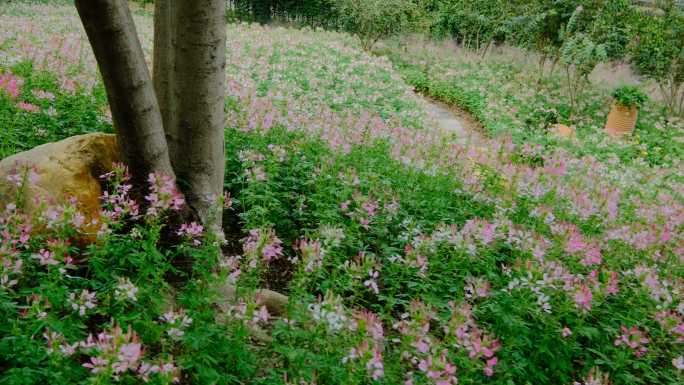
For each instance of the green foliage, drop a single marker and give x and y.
(372, 20)
(580, 55)
(630, 96)
(475, 24)
(303, 12)
(658, 52)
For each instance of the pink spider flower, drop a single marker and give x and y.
(165, 369)
(46, 95)
(192, 231)
(85, 301)
(375, 365)
(372, 281)
(369, 322)
(583, 298)
(612, 288)
(489, 366)
(28, 107)
(262, 244)
(10, 84)
(566, 332)
(634, 339)
(163, 194)
(46, 257)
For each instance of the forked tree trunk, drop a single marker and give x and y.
(199, 77)
(162, 71)
(131, 96)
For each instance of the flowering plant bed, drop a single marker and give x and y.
(406, 257)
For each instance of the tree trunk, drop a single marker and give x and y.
(162, 73)
(199, 76)
(135, 112)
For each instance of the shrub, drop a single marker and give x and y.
(658, 52)
(372, 20)
(629, 96)
(580, 55)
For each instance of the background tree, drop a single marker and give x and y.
(658, 52)
(179, 129)
(372, 20)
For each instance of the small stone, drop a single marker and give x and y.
(563, 130)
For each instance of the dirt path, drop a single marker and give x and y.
(451, 119)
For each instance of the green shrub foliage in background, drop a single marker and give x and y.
(629, 96)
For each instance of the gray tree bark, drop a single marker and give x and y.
(135, 112)
(162, 72)
(199, 77)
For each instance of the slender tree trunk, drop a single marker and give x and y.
(162, 72)
(199, 76)
(135, 112)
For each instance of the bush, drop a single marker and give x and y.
(658, 52)
(372, 20)
(629, 96)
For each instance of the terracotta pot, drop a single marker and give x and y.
(621, 120)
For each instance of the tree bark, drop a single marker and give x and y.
(199, 76)
(135, 112)
(162, 72)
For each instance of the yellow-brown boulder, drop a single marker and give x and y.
(61, 171)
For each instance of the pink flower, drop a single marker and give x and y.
(634, 339)
(272, 251)
(163, 194)
(489, 368)
(375, 365)
(192, 231)
(128, 356)
(10, 84)
(40, 94)
(96, 365)
(28, 107)
(566, 332)
(592, 256)
(162, 368)
(613, 284)
(371, 282)
(575, 243)
(46, 257)
(369, 208)
(84, 302)
(583, 298)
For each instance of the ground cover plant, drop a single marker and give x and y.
(407, 257)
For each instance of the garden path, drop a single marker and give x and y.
(454, 120)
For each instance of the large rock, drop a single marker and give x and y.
(65, 169)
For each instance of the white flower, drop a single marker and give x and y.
(678, 362)
(126, 290)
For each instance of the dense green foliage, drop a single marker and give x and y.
(629, 96)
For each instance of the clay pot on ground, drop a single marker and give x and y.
(621, 120)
